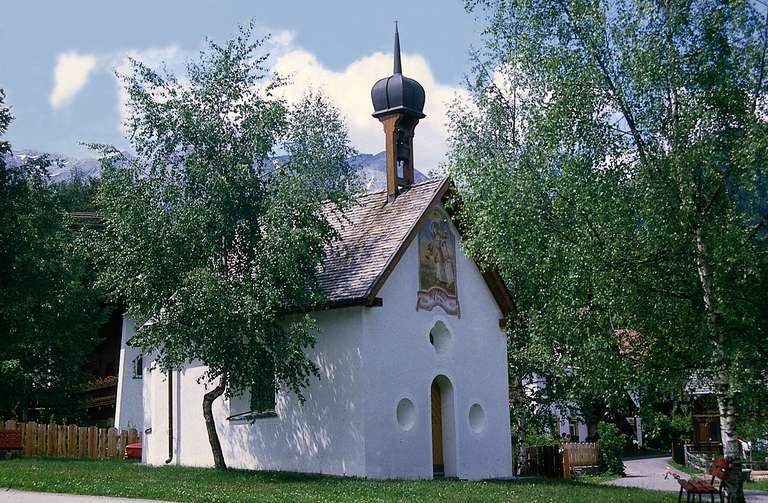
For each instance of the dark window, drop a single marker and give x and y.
(258, 400)
(263, 391)
(138, 367)
(263, 397)
(573, 427)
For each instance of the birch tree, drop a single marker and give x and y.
(205, 236)
(612, 163)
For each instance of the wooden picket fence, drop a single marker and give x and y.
(71, 441)
(581, 454)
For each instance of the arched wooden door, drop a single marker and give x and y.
(438, 466)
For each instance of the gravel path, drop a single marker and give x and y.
(13, 496)
(649, 474)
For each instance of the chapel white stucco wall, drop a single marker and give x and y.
(401, 363)
(322, 435)
(128, 405)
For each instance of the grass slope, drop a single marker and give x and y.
(116, 478)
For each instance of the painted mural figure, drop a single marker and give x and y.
(437, 264)
(444, 260)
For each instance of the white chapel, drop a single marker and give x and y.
(412, 357)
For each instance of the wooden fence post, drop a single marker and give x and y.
(123, 443)
(72, 441)
(29, 438)
(102, 443)
(82, 442)
(42, 430)
(93, 442)
(61, 441)
(50, 430)
(566, 465)
(111, 442)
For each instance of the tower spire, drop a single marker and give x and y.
(398, 66)
(398, 102)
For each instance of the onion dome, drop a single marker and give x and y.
(397, 94)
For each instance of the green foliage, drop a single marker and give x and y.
(77, 193)
(661, 430)
(610, 447)
(205, 235)
(535, 438)
(49, 312)
(611, 164)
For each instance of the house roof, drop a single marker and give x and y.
(373, 237)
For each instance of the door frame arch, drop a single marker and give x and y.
(447, 417)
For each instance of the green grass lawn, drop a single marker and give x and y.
(685, 469)
(760, 485)
(117, 478)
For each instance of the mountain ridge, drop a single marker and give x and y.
(371, 167)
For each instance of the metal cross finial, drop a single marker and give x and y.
(398, 65)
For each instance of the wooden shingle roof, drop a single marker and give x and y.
(373, 235)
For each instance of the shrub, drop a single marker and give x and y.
(610, 445)
(660, 430)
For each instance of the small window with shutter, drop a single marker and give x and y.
(258, 401)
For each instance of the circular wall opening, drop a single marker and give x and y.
(440, 337)
(406, 414)
(477, 418)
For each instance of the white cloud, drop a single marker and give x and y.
(350, 89)
(69, 77)
(282, 38)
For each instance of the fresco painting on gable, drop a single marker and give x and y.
(437, 264)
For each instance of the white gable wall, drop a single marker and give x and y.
(401, 363)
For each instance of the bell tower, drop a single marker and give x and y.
(398, 103)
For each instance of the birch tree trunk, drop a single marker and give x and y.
(723, 388)
(210, 424)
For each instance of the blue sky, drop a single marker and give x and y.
(57, 59)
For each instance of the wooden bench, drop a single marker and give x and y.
(10, 440)
(692, 487)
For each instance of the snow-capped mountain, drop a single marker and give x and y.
(372, 167)
(373, 170)
(61, 168)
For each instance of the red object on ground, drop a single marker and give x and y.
(133, 451)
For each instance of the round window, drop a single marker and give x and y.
(406, 414)
(477, 418)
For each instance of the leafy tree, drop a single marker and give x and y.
(612, 164)
(49, 312)
(610, 447)
(77, 193)
(205, 236)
